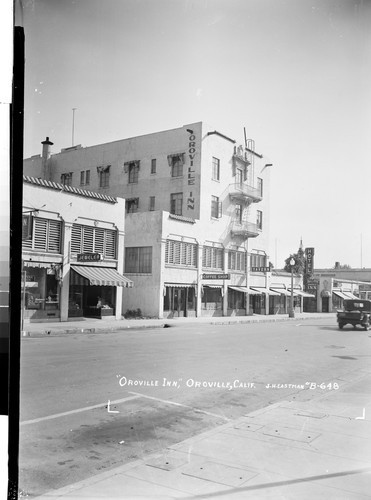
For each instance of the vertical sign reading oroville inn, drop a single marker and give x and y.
(191, 172)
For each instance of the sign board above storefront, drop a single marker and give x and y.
(216, 276)
(89, 257)
(309, 253)
(260, 269)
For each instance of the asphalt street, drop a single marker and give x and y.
(91, 402)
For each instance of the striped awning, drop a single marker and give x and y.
(102, 276)
(180, 285)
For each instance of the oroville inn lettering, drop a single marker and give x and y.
(190, 383)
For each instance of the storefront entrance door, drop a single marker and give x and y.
(179, 303)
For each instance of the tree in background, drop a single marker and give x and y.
(300, 266)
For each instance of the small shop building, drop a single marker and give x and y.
(72, 253)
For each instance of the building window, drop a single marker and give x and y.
(132, 205)
(133, 173)
(104, 173)
(46, 236)
(259, 219)
(216, 207)
(153, 166)
(260, 186)
(236, 261)
(238, 212)
(93, 239)
(176, 163)
(176, 203)
(152, 200)
(181, 253)
(258, 260)
(239, 177)
(82, 178)
(215, 175)
(66, 179)
(138, 260)
(213, 257)
(87, 177)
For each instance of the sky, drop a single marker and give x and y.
(296, 74)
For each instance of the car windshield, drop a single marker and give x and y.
(357, 305)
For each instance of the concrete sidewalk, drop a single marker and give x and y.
(107, 325)
(315, 448)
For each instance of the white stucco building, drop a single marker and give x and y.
(72, 253)
(197, 218)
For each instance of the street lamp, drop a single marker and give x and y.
(291, 311)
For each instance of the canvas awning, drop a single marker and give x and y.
(302, 294)
(340, 294)
(282, 291)
(180, 285)
(350, 295)
(102, 276)
(244, 289)
(265, 290)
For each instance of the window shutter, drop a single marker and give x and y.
(76, 237)
(99, 240)
(219, 209)
(88, 239)
(54, 236)
(41, 226)
(110, 250)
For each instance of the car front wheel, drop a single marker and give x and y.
(341, 326)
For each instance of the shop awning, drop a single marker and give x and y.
(265, 290)
(282, 291)
(102, 276)
(212, 286)
(340, 294)
(350, 295)
(180, 285)
(244, 289)
(301, 293)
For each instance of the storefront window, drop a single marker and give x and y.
(40, 289)
(236, 299)
(211, 298)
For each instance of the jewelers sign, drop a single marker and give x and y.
(89, 257)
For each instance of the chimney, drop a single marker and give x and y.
(45, 157)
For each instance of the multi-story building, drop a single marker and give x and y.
(72, 253)
(197, 218)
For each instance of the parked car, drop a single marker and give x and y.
(355, 312)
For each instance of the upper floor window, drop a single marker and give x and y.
(215, 175)
(238, 212)
(84, 177)
(45, 235)
(258, 260)
(236, 260)
(259, 219)
(138, 259)
(239, 176)
(104, 173)
(213, 257)
(176, 203)
(260, 186)
(153, 166)
(152, 200)
(132, 205)
(176, 163)
(93, 239)
(216, 207)
(181, 253)
(66, 179)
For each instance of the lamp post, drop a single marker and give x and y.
(291, 311)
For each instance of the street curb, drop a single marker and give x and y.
(107, 329)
